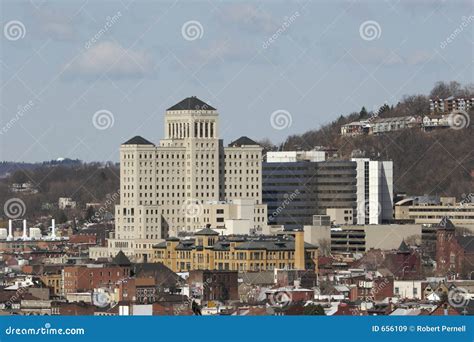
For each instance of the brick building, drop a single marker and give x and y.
(138, 290)
(372, 289)
(90, 276)
(454, 253)
(404, 263)
(214, 285)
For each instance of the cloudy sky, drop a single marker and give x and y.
(80, 77)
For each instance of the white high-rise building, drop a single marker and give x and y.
(170, 188)
(374, 191)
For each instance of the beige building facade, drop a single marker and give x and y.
(361, 238)
(461, 214)
(207, 250)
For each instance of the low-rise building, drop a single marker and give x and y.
(449, 104)
(384, 125)
(411, 210)
(66, 203)
(140, 290)
(53, 281)
(341, 216)
(214, 285)
(408, 289)
(434, 122)
(206, 250)
(361, 238)
(91, 276)
(378, 125)
(355, 128)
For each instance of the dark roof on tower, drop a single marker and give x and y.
(403, 248)
(191, 103)
(138, 140)
(446, 224)
(164, 276)
(121, 259)
(243, 141)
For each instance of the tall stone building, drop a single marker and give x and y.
(174, 187)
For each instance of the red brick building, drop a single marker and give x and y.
(214, 285)
(73, 309)
(454, 253)
(88, 277)
(86, 239)
(375, 289)
(138, 290)
(405, 263)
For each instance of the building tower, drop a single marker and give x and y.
(172, 188)
(299, 250)
(374, 191)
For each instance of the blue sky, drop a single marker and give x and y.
(311, 60)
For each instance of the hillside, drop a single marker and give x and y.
(439, 162)
(84, 183)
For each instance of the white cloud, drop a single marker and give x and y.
(55, 24)
(113, 60)
(378, 55)
(248, 17)
(419, 57)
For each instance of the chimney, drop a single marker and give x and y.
(25, 236)
(53, 229)
(299, 250)
(10, 231)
